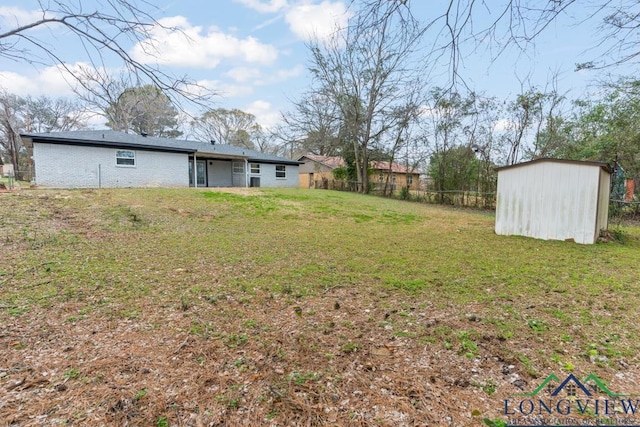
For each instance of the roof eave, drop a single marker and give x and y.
(92, 143)
(605, 166)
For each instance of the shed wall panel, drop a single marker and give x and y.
(603, 201)
(549, 201)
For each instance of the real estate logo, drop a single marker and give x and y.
(572, 402)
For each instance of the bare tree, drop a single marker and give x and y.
(41, 114)
(364, 70)
(105, 29)
(44, 114)
(463, 26)
(448, 133)
(11, 124)
(402, 120)
(312, 126)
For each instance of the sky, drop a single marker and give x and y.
(254, 53)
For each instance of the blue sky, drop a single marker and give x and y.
(253, 52)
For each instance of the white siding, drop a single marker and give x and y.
(70, 166)
(268, 176)
(219, 173)
(550, 200)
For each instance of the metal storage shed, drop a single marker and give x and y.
(553, 199)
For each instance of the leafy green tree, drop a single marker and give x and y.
(454, 169)
(608, 129)
(144, 110)
(223, 126)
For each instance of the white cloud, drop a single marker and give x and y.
(192, 46)
(503, 124)
(296, 71)
(308, 21)
(226, 90)
(12, 16)
(51, 81)
(243, 74)
(265, 114)
(270, 6)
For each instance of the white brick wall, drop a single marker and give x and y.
(268, 176)
(69, 166)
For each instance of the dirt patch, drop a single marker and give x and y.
(336, 363)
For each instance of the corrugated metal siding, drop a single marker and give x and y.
(549, 200)
(603, 201)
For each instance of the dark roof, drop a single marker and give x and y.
(395, 167)
(333, 162)
(602, 165)
(111, 138)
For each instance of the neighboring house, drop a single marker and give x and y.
(316, 170)
(6, 170)
(553, 199)
(393, 175)
(105, 158)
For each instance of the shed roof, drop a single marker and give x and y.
(602, 165)
(111, 138)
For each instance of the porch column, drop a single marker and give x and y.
(246, 173)
(195, 171)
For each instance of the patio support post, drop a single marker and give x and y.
(246, 173)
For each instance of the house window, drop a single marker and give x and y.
(281, 171)
(255, 168)
(125, 158)
(393, 177)
(409, 179)
(381, 177)
(238, 167)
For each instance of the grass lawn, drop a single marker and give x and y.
(295, 307)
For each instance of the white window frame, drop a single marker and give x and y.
(238, 167)
(282, 171)
(120, 157)
(409, 179)
(255, 167)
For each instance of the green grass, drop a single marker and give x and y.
(140, 255)
(303, 241)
